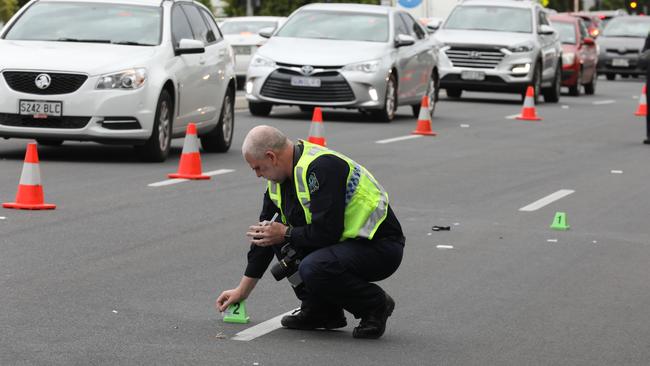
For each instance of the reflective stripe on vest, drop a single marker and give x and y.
(366, 201)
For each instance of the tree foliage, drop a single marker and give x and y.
(278, 7)
(7, 9)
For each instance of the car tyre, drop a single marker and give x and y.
(590, 88)
(552, 94)
(610, 76)
(49, 142)
(433, 92)
(220, 138)
(156, 149)
(574, 90)
(387, 113)
(454, 92)
(259, 108)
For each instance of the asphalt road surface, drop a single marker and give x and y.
(124, 273)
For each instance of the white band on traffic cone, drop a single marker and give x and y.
(31, 175)
(529, 102)
(191, 144)
(424, 114)
(316, 129)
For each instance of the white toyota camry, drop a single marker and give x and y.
(116, 71)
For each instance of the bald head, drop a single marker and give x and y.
(264, 138)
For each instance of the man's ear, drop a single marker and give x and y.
(271, 156)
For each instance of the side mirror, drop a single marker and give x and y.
(189, 46)
(266, 32)
(546, 30)
(588, 41)
(433, 25)
(404, 40)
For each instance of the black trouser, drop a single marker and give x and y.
(340, 276)
(647, 117)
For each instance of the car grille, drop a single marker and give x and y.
(24, 82)
(474, 58)
(334, 88)
(18, 120)
(623, 51)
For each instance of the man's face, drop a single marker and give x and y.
(268, 167)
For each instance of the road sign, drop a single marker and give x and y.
(409, 4)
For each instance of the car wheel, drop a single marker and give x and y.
(387, 113)
(454, 92)
(625, 76)
(610, 76)
(537, 84)
(156, 148)
(260, 109)
(220, 138)
(552, 94)
(49, 142)
(433, 92)
(590, 88)
(574, 90)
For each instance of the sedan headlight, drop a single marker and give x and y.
(127, 79)
(568, 58)
(369, 67)
(260, 61)
(521, 48)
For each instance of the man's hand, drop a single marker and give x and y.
(228, 297)
(265, 234)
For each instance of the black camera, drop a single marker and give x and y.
(287, 266)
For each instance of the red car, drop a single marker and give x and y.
(579, 54)
(593, 22)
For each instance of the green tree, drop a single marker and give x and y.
(278, 7)
(7, 9)
(610, 4)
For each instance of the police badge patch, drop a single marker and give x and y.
(313, 183)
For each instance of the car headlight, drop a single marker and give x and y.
(521, 48)
(369, 67)
(568, 58)
(260, 61)
(127, 79)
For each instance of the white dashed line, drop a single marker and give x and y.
(261, 328)
(169, 182)
(395, 139)
(565, 107)
(617, 172)
(2, 218)
(601, 102)
(552, 240)
(445, 246)
(547, 200)
(464, 126)
(512, 116)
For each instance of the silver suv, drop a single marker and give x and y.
(499, 46)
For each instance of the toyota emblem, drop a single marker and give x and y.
(306, 70)
(43, 81)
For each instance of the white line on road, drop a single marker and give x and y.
(169, 182)
(401, 138)
(513, 116)
(565, 107)
(445, 246)
(551, 240)
(546, 200)
(261, 328)
(2, 218)
(601, 102)
(617, 172)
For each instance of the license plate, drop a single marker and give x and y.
(304, 81)
(242, 50)
(472, 75)
(620, 62)
(40, 108)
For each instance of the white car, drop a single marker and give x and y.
(116, 71)
(242, 34)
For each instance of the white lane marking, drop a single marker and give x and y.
(180, 180)
(512, 116)
(552, 240)
(261, 328)
(635, 97)
(2, 218)
(617, 172)
(401, 138)
(601, 102)
(445, 246)
(565, 107)
(546, 200)
(464, 126)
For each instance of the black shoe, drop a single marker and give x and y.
(373, 325)
(647, 141)
(309, 318)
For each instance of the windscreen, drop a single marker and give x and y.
(567, 31)
(491, 18)
(245, 28)
(627, 27)
(88, 22)
(345, 26)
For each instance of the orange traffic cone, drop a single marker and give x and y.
(30, 190)
(424, 119)
(528, 112)
(317, 129)
(190, 165)
(643, 104)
